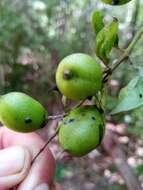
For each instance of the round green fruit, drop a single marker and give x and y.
(21, 112)
(78, 76)
(116, 2)
(82, 130)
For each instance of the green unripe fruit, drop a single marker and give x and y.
(21, 112)
(116, 2)
(82, 130)
(78, 76)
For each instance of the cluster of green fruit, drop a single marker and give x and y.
(78, 77)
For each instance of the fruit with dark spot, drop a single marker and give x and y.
(116, 2)
(85, 133)
(28, 120)
(78, 76)
(21, 112)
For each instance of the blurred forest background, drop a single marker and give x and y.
(34, 36)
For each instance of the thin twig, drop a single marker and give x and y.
(45, 145)
(52, 117)
(78, 104)
(129, 49)
(122, 51)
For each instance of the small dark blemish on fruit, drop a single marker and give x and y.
(28, 120)
(71, 120)
(93, 118)
(141, 95)
(65, 122)
(100, 110)
(115, 2)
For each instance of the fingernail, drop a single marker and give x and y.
(43, 186)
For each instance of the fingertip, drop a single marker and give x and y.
(14, 166)
(42, 172)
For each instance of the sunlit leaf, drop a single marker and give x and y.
(131, 96)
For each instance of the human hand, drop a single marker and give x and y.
(16, 153)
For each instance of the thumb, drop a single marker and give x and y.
(14, 166)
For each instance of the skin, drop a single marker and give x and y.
(116, 2)
(16, 153)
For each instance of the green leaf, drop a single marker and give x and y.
(131, 96)
(106, 39)
(97, 20)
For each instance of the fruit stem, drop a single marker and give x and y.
(78, 104)
(52, 117)
(67, 75)
(45, 145)
(60, 116)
